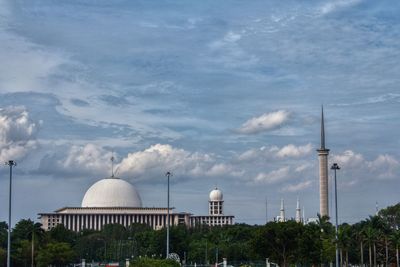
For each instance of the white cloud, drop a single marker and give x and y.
(78, 160)
(386, 166)
(348, 159)
(303, 167)
(151, 163)
(274, 152)
(297, 187)
(17, 133)
(358, 168)
(229, 38)
(220, 169)
(294, 151)
(147, 165)
(336, 5)
(273, 177)
(26, 66)
(265, 122)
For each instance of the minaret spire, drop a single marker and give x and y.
(323, 153)
(322, 128)
(298, 212)
(282, 211)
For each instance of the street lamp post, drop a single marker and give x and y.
(335, 167)
(10, 163)
(168, 174)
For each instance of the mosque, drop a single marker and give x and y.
(114, 200)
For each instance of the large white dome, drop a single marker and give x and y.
(112, 192)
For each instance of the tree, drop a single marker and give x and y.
(3, 257)
(280, 241)
(115, 235)
(55, 253)
(310, 245)
(395, 240)
(22, 230)
(358, 236)
(3, 234)
(391, 215)
(344, 241)
(327, 236)
(62, 234)
(25, 235)
(370, 237)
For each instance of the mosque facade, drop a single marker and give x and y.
(114, 200)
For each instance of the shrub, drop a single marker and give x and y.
(147, 262)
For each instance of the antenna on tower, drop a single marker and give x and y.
(376, 208)
(112, 164)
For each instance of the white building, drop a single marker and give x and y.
(215, 215)
(114, 200)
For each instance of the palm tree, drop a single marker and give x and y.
(35, 232)
(370, 237)
(358, 235)
(384, 231)
(344, 242)
(326, 237)
(395, 240)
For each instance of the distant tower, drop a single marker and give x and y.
(216, 202)
(323, 171)
(298, 212)
(282, 212)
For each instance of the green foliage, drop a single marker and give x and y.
(311, 245)
(279, 241)
(57, 254)
(285, 243)
(391, 215)
(3, 257)
(148, 262)
(3, 234)
(62, 234)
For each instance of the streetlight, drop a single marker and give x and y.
(168, 174)
(10, 163)
(335, 167)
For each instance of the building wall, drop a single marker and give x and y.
(211, 220)
(96, 221)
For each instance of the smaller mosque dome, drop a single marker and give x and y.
(216, 195)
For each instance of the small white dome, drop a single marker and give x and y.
(216, 195)
(112, 192)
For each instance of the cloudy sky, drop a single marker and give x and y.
(224, 93)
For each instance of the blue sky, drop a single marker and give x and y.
(224, 93)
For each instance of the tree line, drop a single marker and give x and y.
(371, 242)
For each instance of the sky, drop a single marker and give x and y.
(220, 93)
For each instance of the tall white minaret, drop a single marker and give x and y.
(282, 211)
(298, 212)
(323, 171)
